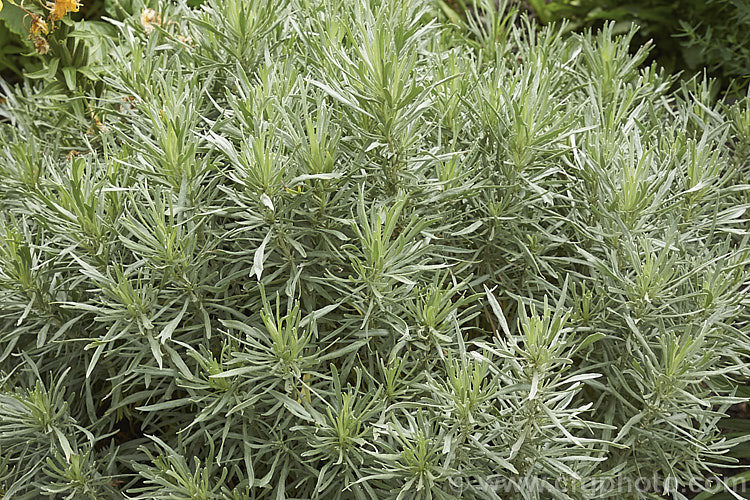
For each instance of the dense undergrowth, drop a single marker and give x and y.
(340, 250)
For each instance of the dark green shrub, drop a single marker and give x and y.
(689, 35)
(36, 38)
(14, 49)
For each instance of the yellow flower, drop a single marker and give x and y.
(38, 25)
(59, 8)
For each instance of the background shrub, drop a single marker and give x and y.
(342, 250)
(13, 43)
(690, 36)
(19, 55)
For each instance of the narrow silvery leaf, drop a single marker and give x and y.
(497, 310)
(259, 257)
(266, 200)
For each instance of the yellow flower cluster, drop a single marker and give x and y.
(40, 27)
(59, 8)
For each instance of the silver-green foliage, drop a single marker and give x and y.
(332, 249)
